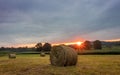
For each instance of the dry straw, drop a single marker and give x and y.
(42, 54)
(63, 56)
(12, 55)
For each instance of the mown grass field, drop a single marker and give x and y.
(33, 64)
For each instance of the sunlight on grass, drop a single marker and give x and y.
(36, 65)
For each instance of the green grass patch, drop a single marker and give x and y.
(99, 52)
(3, 53)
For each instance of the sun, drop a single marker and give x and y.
(79, 43)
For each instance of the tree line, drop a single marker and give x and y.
(38, 47)
(87, 45)
(45, 47)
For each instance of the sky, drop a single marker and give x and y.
(56, 21)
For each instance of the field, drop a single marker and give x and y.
(33, 64)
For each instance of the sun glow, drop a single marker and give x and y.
(69, 43)
(79, 43)
(33, 44)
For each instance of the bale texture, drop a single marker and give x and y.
(63, 56)
(42, 54)
(12, 55)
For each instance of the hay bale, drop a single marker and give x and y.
(42, 54)
(12, 55)
(63, 56)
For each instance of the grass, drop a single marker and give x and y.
(105, 51)
(99, 52)
(33, 64)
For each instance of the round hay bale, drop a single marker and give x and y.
(12, 55)
(42, 54)
(63, 56)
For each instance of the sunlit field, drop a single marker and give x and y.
(33, 64)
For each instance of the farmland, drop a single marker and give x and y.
(33, 64)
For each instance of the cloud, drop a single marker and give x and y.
(31, 21)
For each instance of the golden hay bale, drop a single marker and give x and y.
(12, 55)
(63, 56)
(42, 54)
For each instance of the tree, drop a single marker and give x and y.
(97, 44)
(86, 45)
(2, 48)
(47, 47)
(38, 46)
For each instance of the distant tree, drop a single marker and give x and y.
(32, 48)
(86, 45)
(47, 47)
(38, 46)
(97, 44)
(2, 48)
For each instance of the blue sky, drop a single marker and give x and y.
(54, 21)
